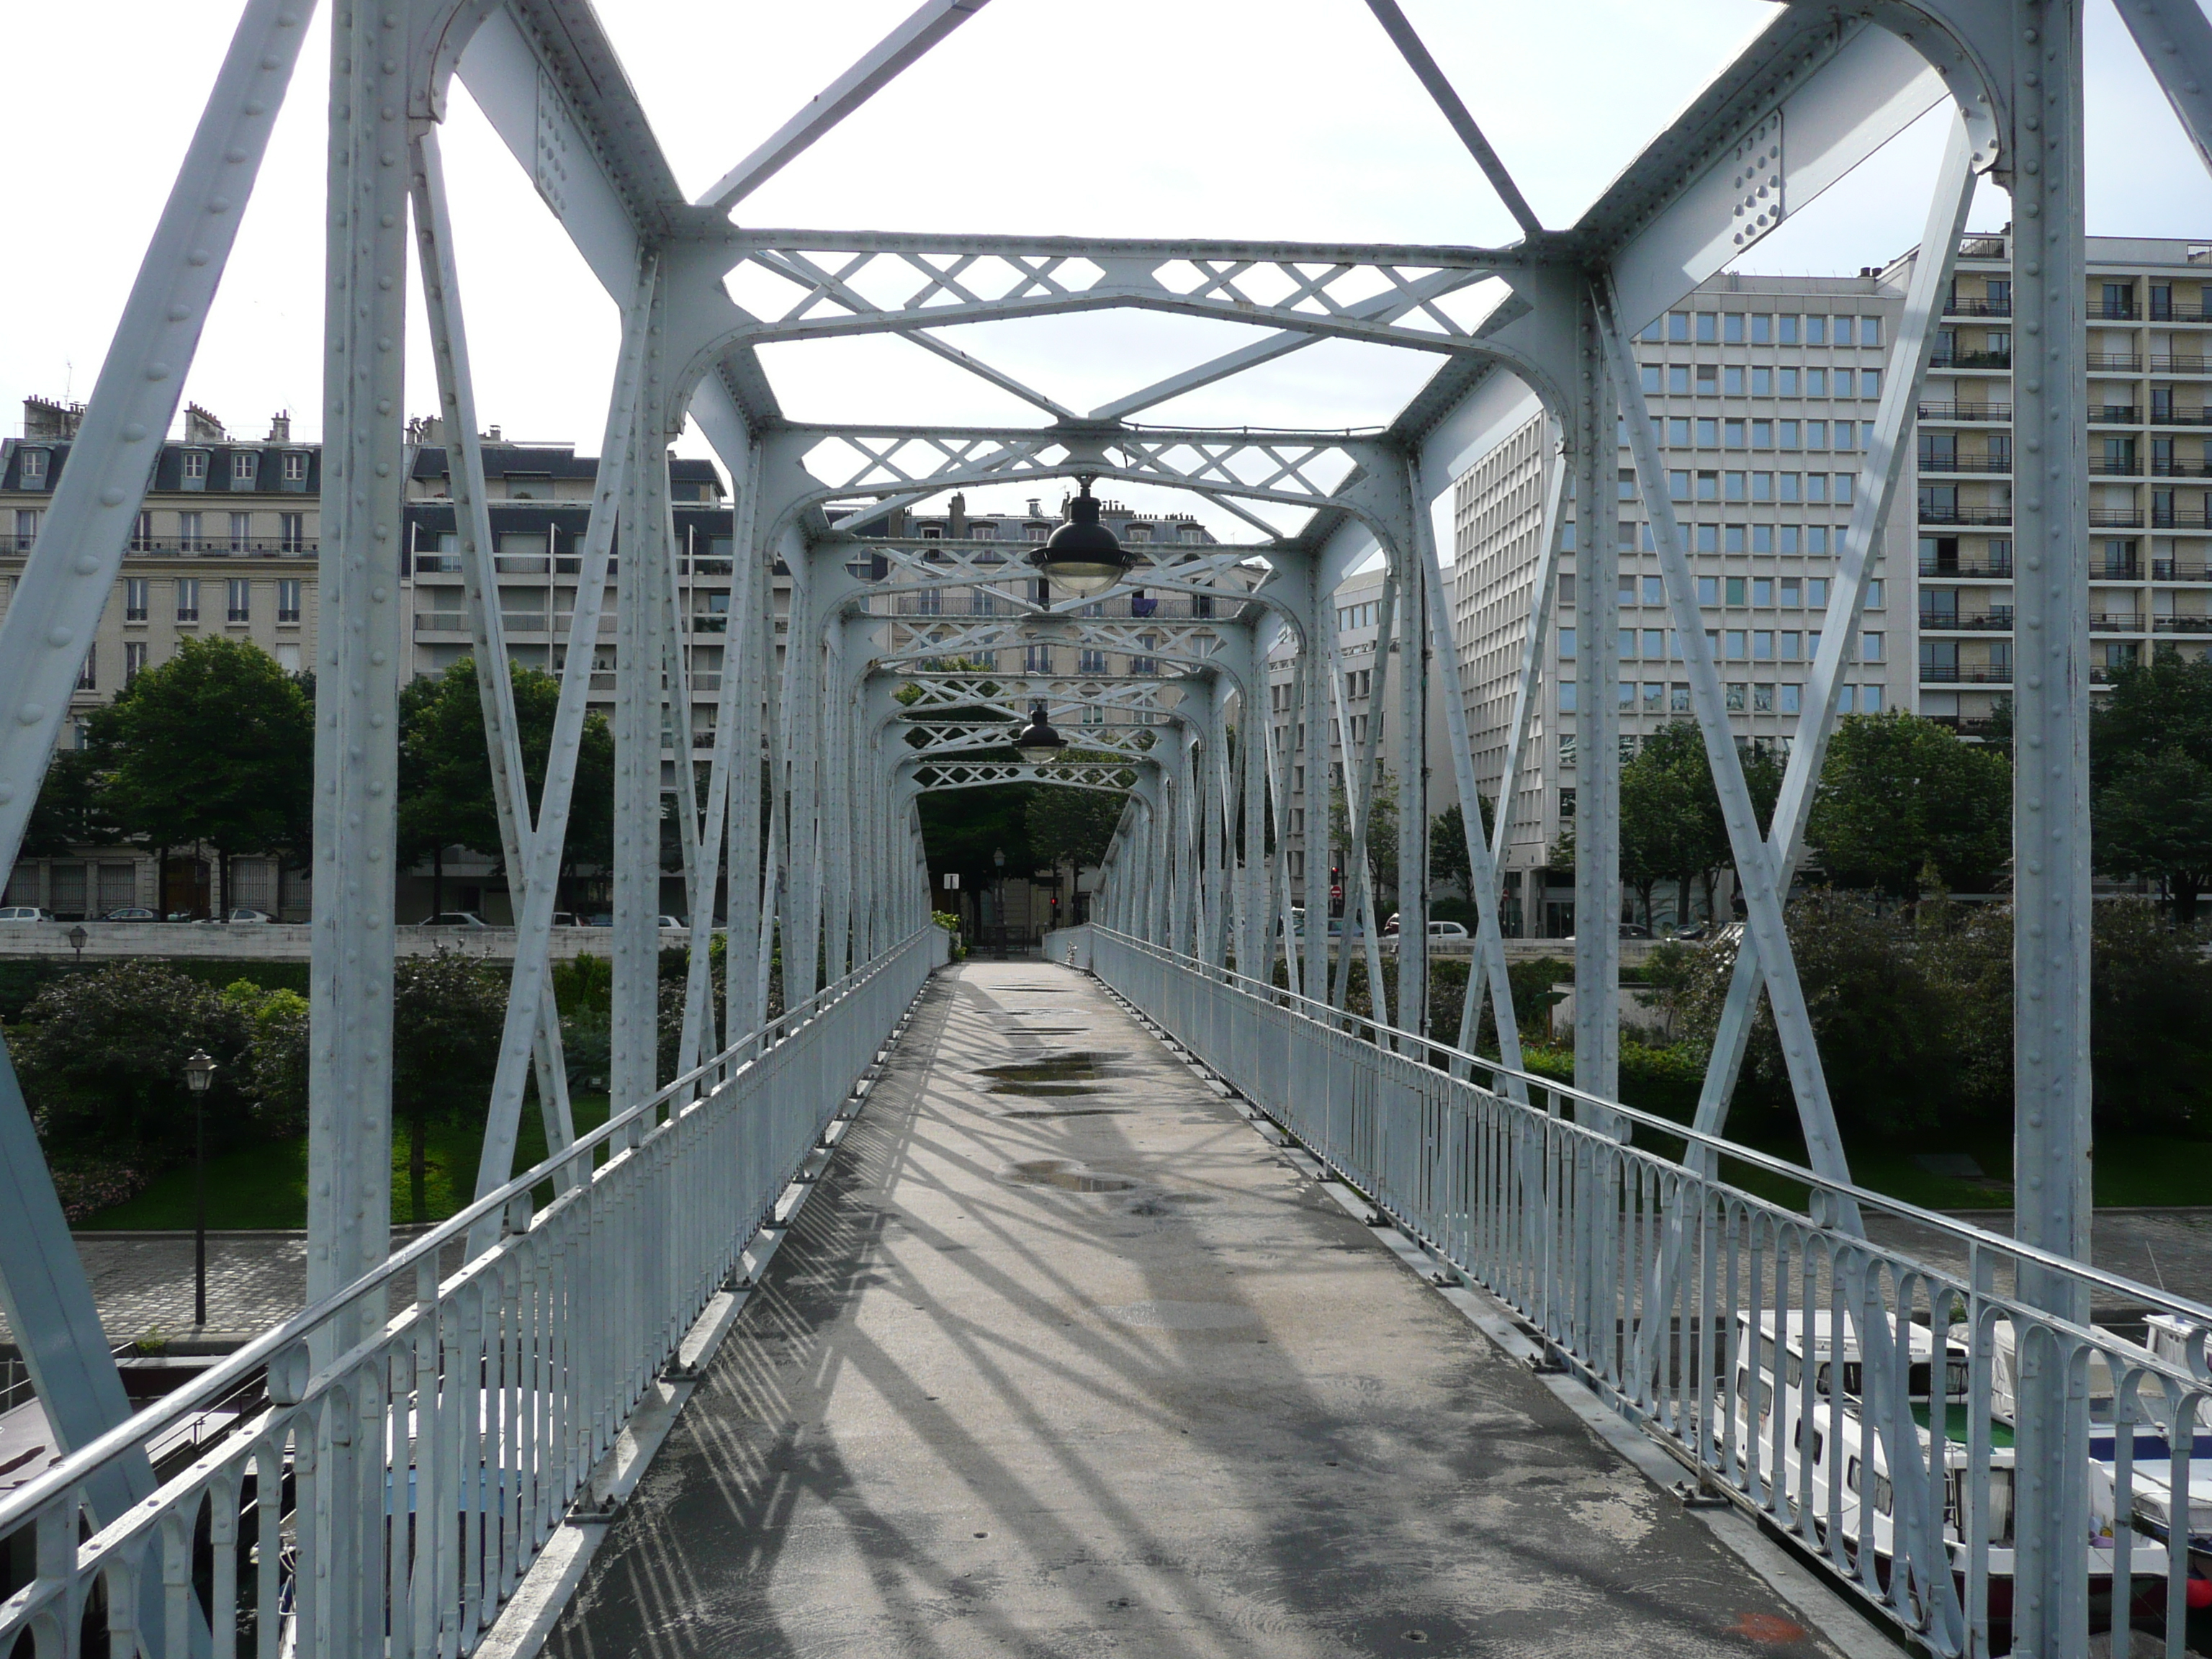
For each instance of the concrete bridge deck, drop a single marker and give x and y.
(1063, 1358)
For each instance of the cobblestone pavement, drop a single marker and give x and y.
(143, 1281)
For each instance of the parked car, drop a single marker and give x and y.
(453, 918)
(1634, 930)
(24, 913)
(601, 919)
(567, 919)
(1448, 930)
(245, 916)
(675, 921)
(132, 913)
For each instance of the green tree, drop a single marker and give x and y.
(446, 1016)
(1448, 859)
(2150, 762)
(215, 746)
(445, 770)
(2154, 819)
(1072, 826)
(1382, 835)
(102, 1058)
(71, 810)
(275, 1064)
(1900, 794)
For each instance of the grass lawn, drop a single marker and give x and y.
(266, 1185)
(2129, 1172)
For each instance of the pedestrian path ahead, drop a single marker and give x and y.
(1063, 1358)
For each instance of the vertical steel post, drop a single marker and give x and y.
(358, 679)
(1412, 645)
(2050, 801)
(640, 731)
(1597, 717)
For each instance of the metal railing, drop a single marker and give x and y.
(392, 1493)
(1700, 1311)
(1954, 411)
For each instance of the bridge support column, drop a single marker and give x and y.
(2050, 800)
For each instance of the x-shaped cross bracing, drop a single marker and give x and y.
(1302, 469)
(806, 285)
(979, 774)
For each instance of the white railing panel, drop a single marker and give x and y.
(392, 1501)
(1740, 1332)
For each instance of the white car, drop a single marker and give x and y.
(453, 918)
(676, 922)
(1448, 930)
(24, 913)
(245, 916)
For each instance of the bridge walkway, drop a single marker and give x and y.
(1063, 1358)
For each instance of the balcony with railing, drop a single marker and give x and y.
(1952, 674)
(2169, 417)
(1957, 359)
(2116, 415)
(2115, 622)
(1965, 411)
(1942, 514)
(1937, 462)
(2116, 517)
(2181, 624)
(2176, 364)
(2119, 361)
(2164, 466)
(1992, 569)
(1995, 619)
(1955, 306)
(2174, 518)
(2177, 570)
(2102, 310)
(2167, 312)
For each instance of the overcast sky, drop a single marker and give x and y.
(1290, 118)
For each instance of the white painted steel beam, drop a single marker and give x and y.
(59, 596)
(884, 63)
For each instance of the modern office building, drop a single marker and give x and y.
(1762, 392)
(2149, 458)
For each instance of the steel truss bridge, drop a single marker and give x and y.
(1546, 1195)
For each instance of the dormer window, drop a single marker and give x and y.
(34, 469)
(295, 467)
(983, 532)
(1140, 532)
(244, 466)
(194, 469)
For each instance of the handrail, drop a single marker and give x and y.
(1963, 1231)
(217, 1379)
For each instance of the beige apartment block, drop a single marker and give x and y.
(224, 547)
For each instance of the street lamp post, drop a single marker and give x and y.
(199, 1071)
(76, 936)
(999, 895)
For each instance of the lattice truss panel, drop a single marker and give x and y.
(799, 285)
(1297, 470)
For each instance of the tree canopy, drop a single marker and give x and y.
(1072, 826)
(445, 767)
(216, 745)
(2150, 761)
(1899, 795)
